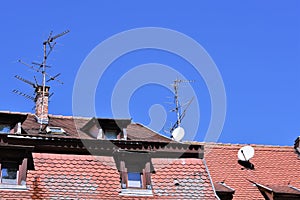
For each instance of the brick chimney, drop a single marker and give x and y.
(41, 104)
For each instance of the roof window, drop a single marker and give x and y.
(107, 129)
(55, 130)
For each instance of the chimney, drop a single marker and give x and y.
(297, 145)
(41, 104)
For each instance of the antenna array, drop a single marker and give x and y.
(48, 46)
(179, 109)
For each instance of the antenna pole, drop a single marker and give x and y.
(176, 82)
(44, 79)
(180, 115)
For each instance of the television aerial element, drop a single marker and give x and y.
(244, 155)
(40, 68)
(178, 134)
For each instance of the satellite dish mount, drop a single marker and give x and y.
(244, 155)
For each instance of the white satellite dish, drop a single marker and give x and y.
(178, 134)
(246, 153)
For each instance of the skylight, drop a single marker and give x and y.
(55, 130)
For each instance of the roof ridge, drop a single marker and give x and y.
(50, 115)
(68, 117)
(137, 123)
(241, 145)
(14, 112)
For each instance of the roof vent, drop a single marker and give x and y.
(176, 182)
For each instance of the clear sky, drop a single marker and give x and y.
(254, 44)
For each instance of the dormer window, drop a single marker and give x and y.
(55, 130)
(107, 129)
(9, 122)
(4, 128)
(135, 173)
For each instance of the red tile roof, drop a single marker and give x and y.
(274, 165)
(182, 179)
(59, 176)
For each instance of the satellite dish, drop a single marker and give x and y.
(246, 153)
(178, 134)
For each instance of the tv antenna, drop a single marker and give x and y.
(40, 67)
(176, 130)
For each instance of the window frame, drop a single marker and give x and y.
(5, 126)
(145, 176)
(21, 174)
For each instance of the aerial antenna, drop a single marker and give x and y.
(26, 81)
(24, 95)
(40, 67)
(40, 64)
(39, 70)
(176, 130)
(51, 45)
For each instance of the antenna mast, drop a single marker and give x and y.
(180, 115)
(46, 54)
(48, 46)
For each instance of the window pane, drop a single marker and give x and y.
(110, 135)
(4, 129)
(9, 175)
(134, 179)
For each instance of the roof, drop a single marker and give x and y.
(73, 127)
(274, 165)
(93, 177)
(178, 171)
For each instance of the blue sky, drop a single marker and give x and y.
(254, 44)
